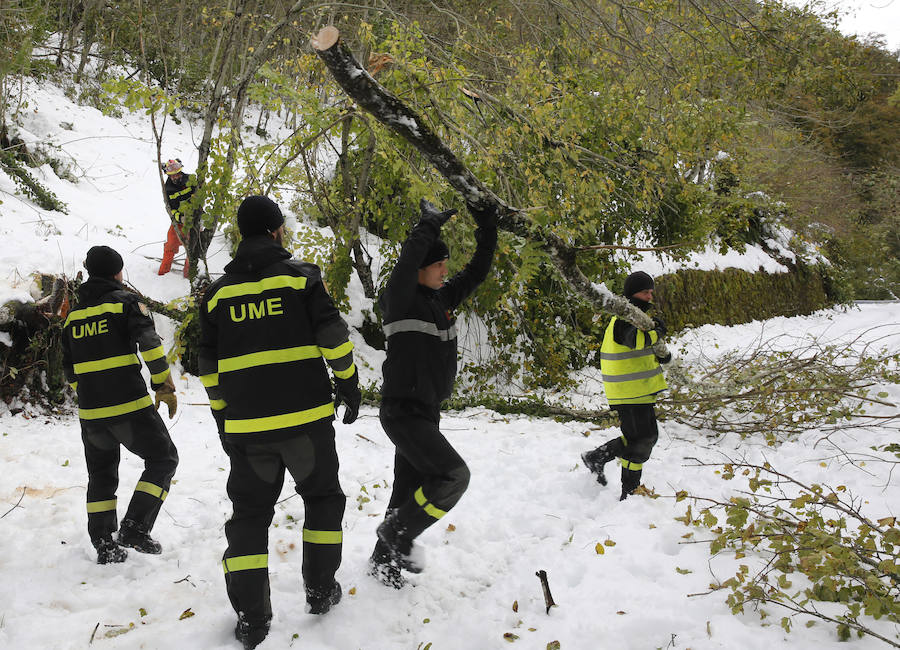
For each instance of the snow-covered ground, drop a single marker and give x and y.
(530, 504)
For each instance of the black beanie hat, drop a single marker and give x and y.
(258, 215)
(637, 281)
(438, 251)
(103, 261)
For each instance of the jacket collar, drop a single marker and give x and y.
(256, 253)
(640, 304)
(95, 287)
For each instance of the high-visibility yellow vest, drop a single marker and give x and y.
(630, 376)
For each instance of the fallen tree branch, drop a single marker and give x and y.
(22, 496)
(394, 114)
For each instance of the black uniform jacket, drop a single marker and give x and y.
(419, 322)
(176, 194)
(100, 342)
(265, 327)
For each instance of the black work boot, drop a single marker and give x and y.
(384, 568)
(108, 552)
(596, 459)
(320, 601)
(249, 634)
(136, 536)
(631, 479)
(396, 541)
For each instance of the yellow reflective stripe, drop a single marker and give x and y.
(256, 425)
(175, 195)
(74, 386)
(119, 409)
(160, 377)
(210, 380)
(336, 353)
(152, 355)
(250, 288)
(345, 374)
(627, 464)
(101, 506)
(107, 363)
(96, 310)
(323, 536)
(437, 513)
(245, 562)
(268, 357)
(217, 404)
(153, 490)
(624, 441)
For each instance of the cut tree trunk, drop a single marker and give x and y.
(394, 114)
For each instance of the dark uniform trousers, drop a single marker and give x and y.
(430, 477)
(639, 436)
(145, 435)
(254, 485)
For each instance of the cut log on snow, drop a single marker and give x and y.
(545, 587)
(394, 114)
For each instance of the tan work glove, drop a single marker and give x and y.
(166, 393)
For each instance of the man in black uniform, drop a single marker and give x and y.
(265, 327)
(100, 338)
(417, 306)
(179, 190)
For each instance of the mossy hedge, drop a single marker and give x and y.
(690, 297)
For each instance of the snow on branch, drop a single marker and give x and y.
(394, 114)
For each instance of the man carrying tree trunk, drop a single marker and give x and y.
(100, 339)
(417, 306)
(632, 377)
(266, 326)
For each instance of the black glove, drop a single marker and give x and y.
(431, 213)
(485, 215)
(347, 391)
(666, 359)
(659, 326)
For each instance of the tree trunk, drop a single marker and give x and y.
(393, 113)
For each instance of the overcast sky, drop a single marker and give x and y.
(863, 17)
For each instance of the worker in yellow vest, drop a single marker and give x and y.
(632, 377)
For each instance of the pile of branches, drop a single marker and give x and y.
(816, 553)
(782, 386)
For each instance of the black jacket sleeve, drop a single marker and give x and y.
(142, 333)
(624, 333)
(461, 285)
(208, 362)
(401, 285)
(332, 334)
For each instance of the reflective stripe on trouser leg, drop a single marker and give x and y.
(249, 574)
(101, 453)
(323, 502)
(148, 438)
(247, 531)
(427, 506)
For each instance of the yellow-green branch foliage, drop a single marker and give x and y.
(807, 549)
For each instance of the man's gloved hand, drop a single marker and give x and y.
(431, 213)
(346, 391)
(485, 215)
(659, 326)
(166, 394)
